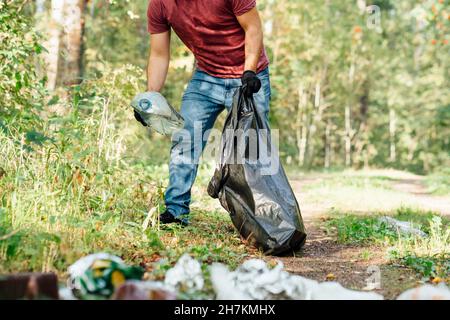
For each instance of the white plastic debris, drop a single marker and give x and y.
(66, 294)
(426, 292)
(157, 112)
(225, 289)
(185, 276)
(334, 291)
(254, 280)
(403, 227)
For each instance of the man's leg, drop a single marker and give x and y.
(200, 107)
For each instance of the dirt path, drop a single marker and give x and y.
(349, 265)
(323, 258)
(409, 190)
(416, 188)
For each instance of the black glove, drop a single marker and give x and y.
(253, 83)
(139, 118)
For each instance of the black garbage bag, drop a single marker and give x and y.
(251, 184)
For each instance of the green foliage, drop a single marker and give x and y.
(352, 228)
(88, 188)
(21, 89)
(116, 33)
(429, 267)
(74, 193)
(439, 182)
(363, 230)
(422, 218)
(330, 53)
(428, 255)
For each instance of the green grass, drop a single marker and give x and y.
(439, 182)
(89, 188)
(422, 218)
(429, 256)
(336, 181)
(428, 267)
(90, 185)
(357, 229)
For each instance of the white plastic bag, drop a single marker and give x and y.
(157, 113)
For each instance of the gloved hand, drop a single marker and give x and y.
(253, 83)
(139, 118)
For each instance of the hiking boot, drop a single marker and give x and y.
(166, 218)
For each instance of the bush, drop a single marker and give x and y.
(429, 256)
(21, 89)
(362, 230)
(75, 192)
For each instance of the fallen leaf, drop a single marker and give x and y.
(437, 280)
(330, 277)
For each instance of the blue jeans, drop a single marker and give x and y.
(204, 99)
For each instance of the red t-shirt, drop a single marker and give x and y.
(209, 28)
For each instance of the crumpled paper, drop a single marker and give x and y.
(185, 276)
(254, 280)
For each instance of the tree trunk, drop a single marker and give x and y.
(53, 42)
(348, 137)
(327, 145)
(392, 131)
(92, 9)
(70, 65)
(316, 118)
(302, 127)
(40, 7)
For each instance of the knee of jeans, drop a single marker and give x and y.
(186, 147)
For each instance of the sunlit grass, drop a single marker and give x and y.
(439, 182)
(54, 211)
(428, 255)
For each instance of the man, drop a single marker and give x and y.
(226, 39)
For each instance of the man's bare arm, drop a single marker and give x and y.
(158, 61)
(251, 23)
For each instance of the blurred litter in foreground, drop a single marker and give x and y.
(104, 276)
(254, 280)
(29, 286)
(426, 292)
(99, 275)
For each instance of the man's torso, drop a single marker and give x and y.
(210, 29)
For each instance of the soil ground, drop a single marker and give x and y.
(323, 258)
(361, 192)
